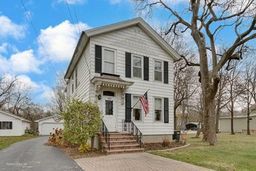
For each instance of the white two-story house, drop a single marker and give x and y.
(114, 65)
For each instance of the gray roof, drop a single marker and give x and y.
(239, 116)
(14, 116)
(85, 36)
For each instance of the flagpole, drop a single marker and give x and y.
(139, 100)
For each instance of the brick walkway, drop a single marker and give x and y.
(135, 162)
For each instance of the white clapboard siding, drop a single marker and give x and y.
(83, 76)
(134, 40)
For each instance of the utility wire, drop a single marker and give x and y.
(29, 21)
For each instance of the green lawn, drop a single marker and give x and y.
(232, 152)
(7, 141)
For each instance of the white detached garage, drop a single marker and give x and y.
(48, 124)
(12, 125)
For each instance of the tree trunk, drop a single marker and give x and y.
(232, 118)
(248, 119)
(209, 121)
(175, 119)
(217, 116)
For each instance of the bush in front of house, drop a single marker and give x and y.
(81, 122)
(30, 132)
(56, 137)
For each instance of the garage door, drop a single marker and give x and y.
(47, 128)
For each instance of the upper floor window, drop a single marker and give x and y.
(158, 71)
(158, 109)
(137, 66)
(5, 125)
(108, 61)
(137, 116)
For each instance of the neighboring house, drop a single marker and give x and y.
(114, 65)
(12, 125)
(240, 123)
(48, 124)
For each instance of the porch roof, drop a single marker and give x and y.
(113, 81)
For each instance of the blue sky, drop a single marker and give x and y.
(37, 38)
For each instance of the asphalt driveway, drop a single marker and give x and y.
(33, 155)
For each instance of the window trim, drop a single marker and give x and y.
(142, 116)
(162, 109)
(142, 66)
(103, 59)
(162, 63)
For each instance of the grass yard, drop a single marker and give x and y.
(7, 141)
(232, 152)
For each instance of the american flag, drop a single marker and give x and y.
(144, 103)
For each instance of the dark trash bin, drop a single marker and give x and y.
(176, 136)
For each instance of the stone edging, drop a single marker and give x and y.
(171, 149)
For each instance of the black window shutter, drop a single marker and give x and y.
(166, 110)
(98, 58)
(166, 70)
(146, 68)
(128, 111)
(128, 65)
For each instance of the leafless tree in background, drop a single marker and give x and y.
(6, 90)
(206, 19)
(59, 98)
(235, 89)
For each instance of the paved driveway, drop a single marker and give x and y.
(135, 162)
(33, 155)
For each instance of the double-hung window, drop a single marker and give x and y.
(158, 109)
(108, 61)
(137, 116)
(137, 66)
(158, 70)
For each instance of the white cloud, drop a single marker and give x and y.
(3, 48)
(39, 92)
(72, 2)
(57, 43)
(47, 93)
(9, 28)
(23, 62)
(20, 62)
(24, 82)
(115, 1)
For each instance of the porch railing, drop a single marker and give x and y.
(134, 130)
(105, 134)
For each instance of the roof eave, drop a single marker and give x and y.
(76, 55)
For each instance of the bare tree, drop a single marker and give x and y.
(234, 91)
(184, 77)
(252, 81)
(249, 90)
(221, 96)
(206, 19)
(59, 98)
(6, 89)
(183, 87)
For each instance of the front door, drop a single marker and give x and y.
(109, 112)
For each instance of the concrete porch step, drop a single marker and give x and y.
(133, 150)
